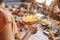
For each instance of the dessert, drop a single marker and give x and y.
(30, 19)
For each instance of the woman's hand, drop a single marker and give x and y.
(17, 36)
(33, 30)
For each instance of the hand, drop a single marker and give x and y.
(33, 30)
(17, 35)
(50, 37)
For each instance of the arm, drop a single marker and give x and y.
(6, 30)
(30, 31)
(27, 35)
(6, 33)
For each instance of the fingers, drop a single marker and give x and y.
(4, 11)
(3, 8)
